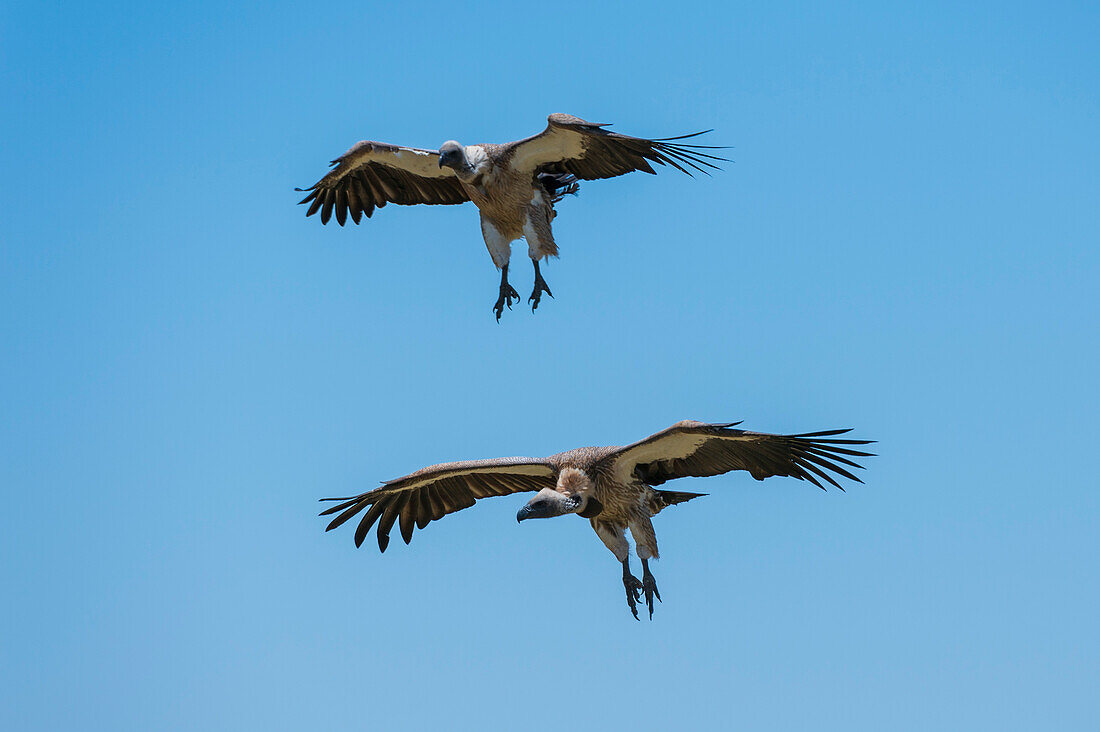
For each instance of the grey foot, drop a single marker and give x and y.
(633, 593)
(536, 294)
(649, 587)
(507, 295)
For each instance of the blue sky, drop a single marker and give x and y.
(906, 243)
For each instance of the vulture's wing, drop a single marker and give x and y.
(433, 492)
(699, 449)
(586, 150)
(372, 174)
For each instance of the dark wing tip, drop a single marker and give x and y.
(825, 433)
(821, 454)
(683, 137)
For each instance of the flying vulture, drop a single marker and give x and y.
(514, 185)
(612, 487)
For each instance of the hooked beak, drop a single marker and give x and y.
(440, 161)
(524, 513)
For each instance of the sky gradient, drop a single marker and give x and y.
(905, 243)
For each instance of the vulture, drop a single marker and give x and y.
(615, 488)
(514, 185)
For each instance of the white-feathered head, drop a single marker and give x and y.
(452, 155)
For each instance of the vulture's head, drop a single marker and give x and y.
(452, 155)
(572, 495)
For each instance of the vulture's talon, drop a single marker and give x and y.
(507, 294)
(633, 593)
(649, 587)
(536, 297)
(540, 287)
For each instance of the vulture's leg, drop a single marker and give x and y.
(507, 294)
(540, 287)
(614, 538)
(649, 587)
(500, 249)
(645, 541)
(540, 242)
(633, 589)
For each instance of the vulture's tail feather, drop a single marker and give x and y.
(664, 499)
(559, 185)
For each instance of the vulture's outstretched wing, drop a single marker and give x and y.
(433, 492)
(586, 150)
(372, 174)
(699, 449)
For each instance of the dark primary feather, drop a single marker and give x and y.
(695, 449)
(370, 175)
(433, 492)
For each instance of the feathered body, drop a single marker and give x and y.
(513, 204)
(625, 504)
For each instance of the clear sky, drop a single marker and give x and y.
(906, 243)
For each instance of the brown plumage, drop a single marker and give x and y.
(613, 487)
(515, 185)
